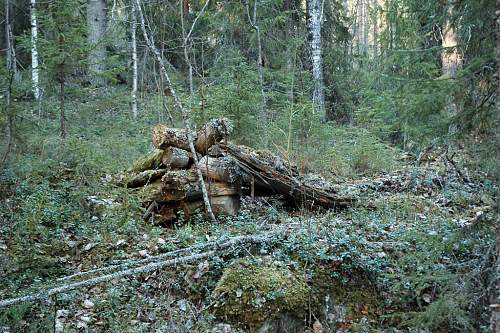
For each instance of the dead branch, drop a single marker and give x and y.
(149, 267)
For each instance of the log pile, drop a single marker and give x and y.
(169, 185)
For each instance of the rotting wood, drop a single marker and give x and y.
(175, 158)
(216, 130)
(144, 177)
(150, 161)
(222, 169)
(277, 176)
(164, 137)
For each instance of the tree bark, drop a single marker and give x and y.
(34, 51)
(314, 25)
(451, 62)
(260, 68)
(96, 22)
(133, 33)
(9, 40)
(175, 158)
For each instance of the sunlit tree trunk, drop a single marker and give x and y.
(451, 62)
(133, 33)
(314, 9)
(96, 22)
(34, 51)
(375, 27)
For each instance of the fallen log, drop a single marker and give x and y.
(145, 268)
(144, 177)
(183, 185)
(164, 137)
(150, 161)
(216, 130)
(175, 158)
(223, 169)
(277, 176)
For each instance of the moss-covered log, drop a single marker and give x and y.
(144, 177)
(150, 161)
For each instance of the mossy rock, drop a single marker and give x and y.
(254, 291)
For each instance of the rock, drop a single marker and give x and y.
(261, 295)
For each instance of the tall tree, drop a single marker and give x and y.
(315, 16)
(451, 60)
(9, 39)
(96, 23)
(255, 26)
(34, 51)
(133, 33)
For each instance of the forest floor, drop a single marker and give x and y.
(415, 253)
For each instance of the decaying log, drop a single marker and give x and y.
(150, 161)
(145, 177)
(273, 174)
(164, 137)
(223, 169)
(173, 188)
(216, 130)
(226, 205)
(175, 158)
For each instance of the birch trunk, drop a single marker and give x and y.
(184, 112)
(317, 60)
(134, 62)
(34, 51)
(96, 22)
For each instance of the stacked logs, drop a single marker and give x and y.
(168, 180)
(167, 177)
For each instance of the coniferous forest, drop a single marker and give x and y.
(249, 166)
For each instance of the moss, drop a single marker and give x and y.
(356, 293)
(251, 292)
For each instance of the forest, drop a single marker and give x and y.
(232, 166)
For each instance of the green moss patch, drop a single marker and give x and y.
(252, 291)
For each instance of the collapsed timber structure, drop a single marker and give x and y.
(168, 181)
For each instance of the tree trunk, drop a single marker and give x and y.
(96, 22)
(62, 123)
(375, 27)
(9, 40)
(260, 68)
(134, 61)
(314, 9)
(451, 62)
(34, 51)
